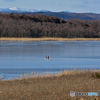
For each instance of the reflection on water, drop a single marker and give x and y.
(17, 57)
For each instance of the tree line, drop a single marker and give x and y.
(14, 25)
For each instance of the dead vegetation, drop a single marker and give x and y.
(49, 39)
(51, 87)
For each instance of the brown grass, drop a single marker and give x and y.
(49, 39)
(51, 87)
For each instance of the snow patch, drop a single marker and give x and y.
(14, 8)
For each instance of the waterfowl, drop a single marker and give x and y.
(46, 57)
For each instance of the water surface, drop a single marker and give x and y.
(18, 57)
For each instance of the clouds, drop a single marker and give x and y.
(93, 1)
(9, 0)
(85, 6)
(92, 5)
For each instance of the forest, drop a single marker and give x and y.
(14, 25)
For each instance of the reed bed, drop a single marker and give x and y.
(58, 74)
(47, 39)
(55, 86)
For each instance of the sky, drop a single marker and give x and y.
(79, 6)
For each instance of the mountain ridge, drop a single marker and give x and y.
(16, 9)
(65, 15)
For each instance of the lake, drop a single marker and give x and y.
(19, 57)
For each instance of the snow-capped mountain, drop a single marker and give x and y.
(16, 9)
(43, 10)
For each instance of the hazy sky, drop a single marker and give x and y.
(55, 5)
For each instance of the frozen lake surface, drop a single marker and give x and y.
(18, 57)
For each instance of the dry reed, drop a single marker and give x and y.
(55, 86)
(48, 39)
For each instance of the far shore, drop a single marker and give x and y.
(49, 39)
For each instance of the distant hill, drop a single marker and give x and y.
(65, 15)
(14, 25)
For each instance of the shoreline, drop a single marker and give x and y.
(56, 87)
(48, 39)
